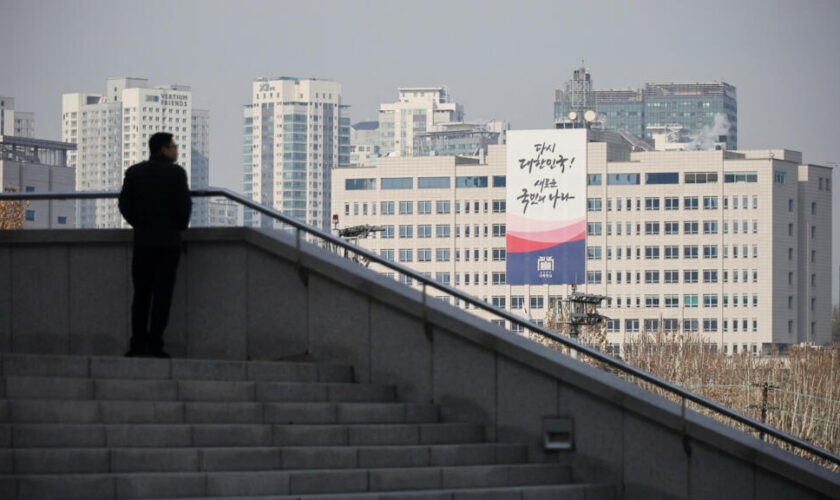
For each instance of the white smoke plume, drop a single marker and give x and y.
(709, 136)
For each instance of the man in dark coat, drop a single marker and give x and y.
(155, 200)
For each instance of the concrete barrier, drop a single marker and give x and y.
(247, 294)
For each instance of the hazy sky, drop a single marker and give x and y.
(500, 59)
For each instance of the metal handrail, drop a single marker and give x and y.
(618, 364)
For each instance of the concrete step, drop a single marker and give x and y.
(581, 491)
(77, 388)
(254, 458)
(28, 365)
(216, 484)
(98, 435)
(74, 411)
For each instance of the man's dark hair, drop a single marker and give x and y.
(159, 141)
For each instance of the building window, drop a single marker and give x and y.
(710, 300)
(359, 184)
(471, 182)
(387, 207)
(690, 300)
(593, 253)
(593, 277)
(651, 203)
(710, 203)
(622, 179)
(442, 230)
(499, 206)
(594, 179)
(424, 230)
(690, 252)
(424, 207)
(701, 177)
(433, 182)
(406, 255)
(423, 254)
(62, 219)
(672, 203)
(406, 231)
(663, 178)
(690, 276)
(736, 177)
(498, 230)
(406, 207)
(593, 204)
(442, 254)
(397, 183)
(710, 251)
(651, 252)
(672, 228)
(498, 278)
(690, 227)
(30, 215)
(690, 203)
(593, 229)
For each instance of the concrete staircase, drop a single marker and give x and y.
(100, 427)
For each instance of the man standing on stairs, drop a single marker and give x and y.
(155, 200)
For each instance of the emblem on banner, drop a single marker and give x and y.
(545, 266)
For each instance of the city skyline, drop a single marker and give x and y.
(779, 55)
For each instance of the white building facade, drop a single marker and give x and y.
(418, 109)
(112, 132)
(295, 132)
(732, 246)
(15, 123)
(35, 165)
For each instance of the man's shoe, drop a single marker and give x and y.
(160, 353)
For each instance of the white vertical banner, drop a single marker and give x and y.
(546, 206)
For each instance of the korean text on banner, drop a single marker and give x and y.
(546, 206)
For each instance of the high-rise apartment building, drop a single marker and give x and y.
(200, 165)
(295, 132)
(15, 123)
(112, 132)
(417, 110)
(37, 165)
(733, 246)
(692, 106)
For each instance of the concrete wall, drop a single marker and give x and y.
(245, 294)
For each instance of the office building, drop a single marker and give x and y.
(733, 246)
(223, 212)
(15, 123)
(112, 132)
(295, 132)
(36, 165)
(459, 138)
(701, 108)
(417, 110)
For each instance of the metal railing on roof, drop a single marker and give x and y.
(616, 364)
